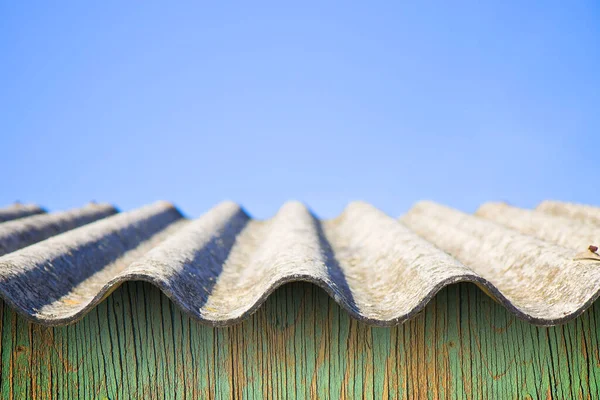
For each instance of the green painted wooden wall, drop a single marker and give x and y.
(300, 344)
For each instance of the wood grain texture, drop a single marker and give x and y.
(300, 344)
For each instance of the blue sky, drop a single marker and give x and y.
(261, 103)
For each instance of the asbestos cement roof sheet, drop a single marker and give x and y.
(541, 264)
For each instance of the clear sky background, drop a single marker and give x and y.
(260, 103)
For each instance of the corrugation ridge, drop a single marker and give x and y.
(284, 246)
(19, 210)
(582, 212)
(574, 234)
(26, 231)
(190, 262)
(388, 267)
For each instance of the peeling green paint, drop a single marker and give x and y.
(300, 344)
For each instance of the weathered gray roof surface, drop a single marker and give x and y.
(18, 210)
(220, 267)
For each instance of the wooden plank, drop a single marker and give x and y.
(300, 344)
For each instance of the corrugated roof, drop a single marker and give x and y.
(18, 210)
(220, 267)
